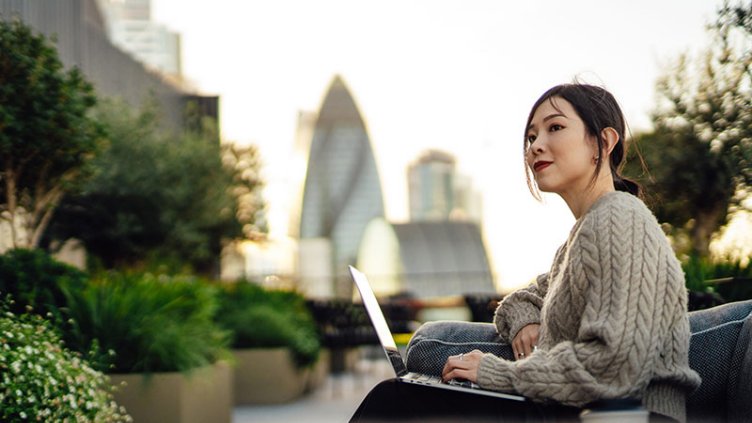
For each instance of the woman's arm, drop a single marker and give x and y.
(522, 307)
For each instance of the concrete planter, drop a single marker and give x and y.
(203, 395)
(319, 371)
(267, 376)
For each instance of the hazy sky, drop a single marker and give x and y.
(459, 76)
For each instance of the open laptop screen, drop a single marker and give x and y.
(379, 321)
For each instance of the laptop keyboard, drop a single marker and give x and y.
(421, 378)
(429, 380)
(463, 383)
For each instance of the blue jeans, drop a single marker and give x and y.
(434, 342)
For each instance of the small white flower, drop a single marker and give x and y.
(22, 415)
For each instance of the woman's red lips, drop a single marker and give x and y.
(538, 166)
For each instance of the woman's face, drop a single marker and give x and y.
(559, 150)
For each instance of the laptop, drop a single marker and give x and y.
(393, 355)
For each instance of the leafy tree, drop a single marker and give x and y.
(700, 150)
(46, 137)
(162, 198)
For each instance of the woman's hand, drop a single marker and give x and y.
(525, 341)
(463, 366)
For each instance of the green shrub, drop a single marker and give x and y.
(140, 323)
(261, 318)
(700, 273)
(696, 272)
(42, 381)
(34, 279)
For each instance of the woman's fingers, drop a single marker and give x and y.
(458, 374)
(520, 348)
(525, 341)
(517, 348)
(463, 366)
(452, 362)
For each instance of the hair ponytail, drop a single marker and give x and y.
(627, 185)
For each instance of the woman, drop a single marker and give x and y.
(609, 320)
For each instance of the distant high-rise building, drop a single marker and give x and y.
(130, 27)
(437, 192)
(342, 193)
(82, 40)
(431, 186)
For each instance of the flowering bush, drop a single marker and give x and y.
(42, 381)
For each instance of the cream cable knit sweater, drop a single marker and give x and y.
(613, 315)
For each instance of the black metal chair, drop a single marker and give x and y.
(482, 305)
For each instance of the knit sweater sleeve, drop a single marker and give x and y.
(523, 307)
(624, 288)
(520, 308)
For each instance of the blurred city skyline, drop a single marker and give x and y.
(449, 75)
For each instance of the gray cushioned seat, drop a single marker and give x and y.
(720, 352)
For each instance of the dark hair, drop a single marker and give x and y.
(598, 110)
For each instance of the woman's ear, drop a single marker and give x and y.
(610, 138)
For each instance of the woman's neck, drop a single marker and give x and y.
(580, 201)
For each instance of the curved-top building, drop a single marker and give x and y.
(426, 259)
(342, 191)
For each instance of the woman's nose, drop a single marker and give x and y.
(536, 148)
(541, 144)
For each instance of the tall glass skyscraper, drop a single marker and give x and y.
(342, 188)
(430, 182)
(438, 192)
(131, 28)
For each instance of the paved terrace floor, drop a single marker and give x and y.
(334, 401)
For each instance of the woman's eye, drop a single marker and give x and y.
(530, 139)
(555, 127)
